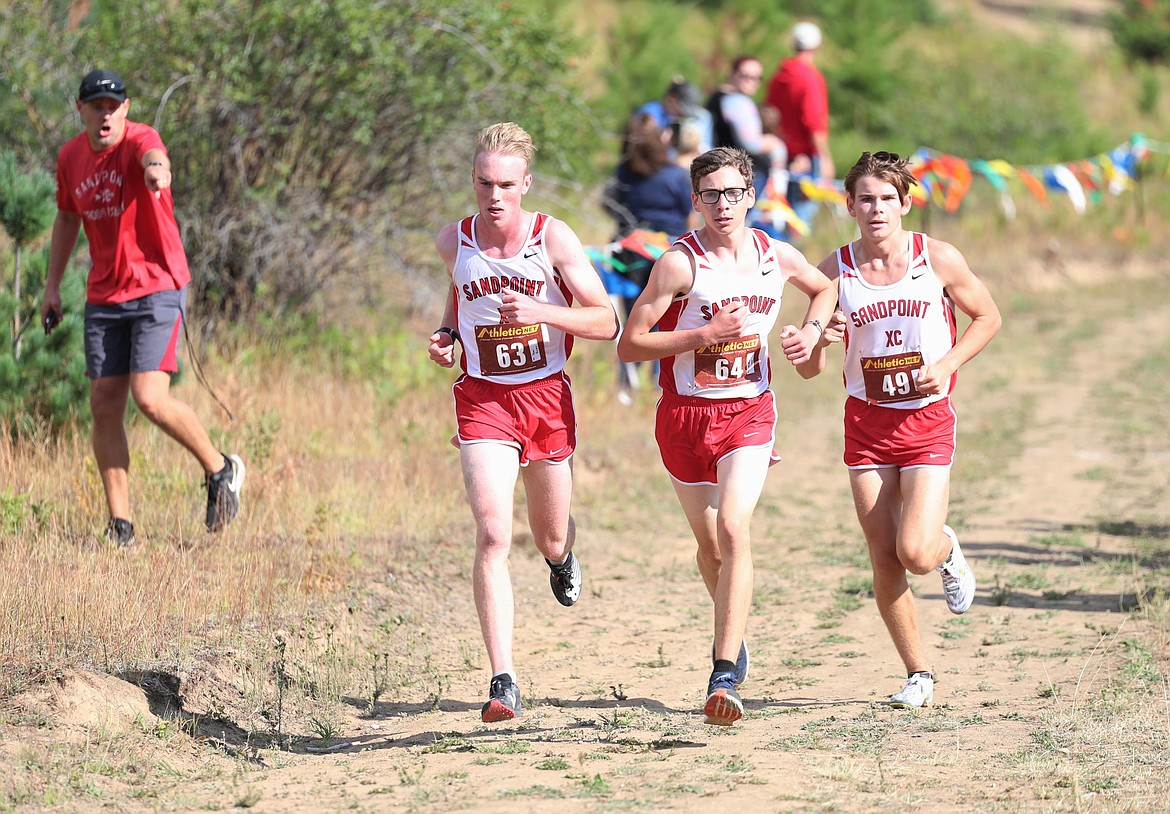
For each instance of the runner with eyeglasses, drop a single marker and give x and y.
(715, 296)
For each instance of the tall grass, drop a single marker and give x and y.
(342, 481)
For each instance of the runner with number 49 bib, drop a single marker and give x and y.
(898, 291)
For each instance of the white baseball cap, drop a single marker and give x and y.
(806, 36)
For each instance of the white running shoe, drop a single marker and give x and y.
(918, 692)
(957, 577)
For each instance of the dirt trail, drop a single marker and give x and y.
(613, 686)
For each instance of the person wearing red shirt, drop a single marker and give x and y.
(114, 180)
(798, 93)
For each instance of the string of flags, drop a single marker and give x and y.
(944, 180)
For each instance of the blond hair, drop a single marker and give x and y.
(505, 138)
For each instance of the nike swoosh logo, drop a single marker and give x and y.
(750, 434)
(531, 253)
(769, 271)
(916, 276)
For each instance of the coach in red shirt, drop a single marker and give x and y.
(114, 180)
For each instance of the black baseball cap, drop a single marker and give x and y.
(102, 85)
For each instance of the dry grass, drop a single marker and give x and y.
(332, 494)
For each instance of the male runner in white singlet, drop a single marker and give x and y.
(715, 296)
(898, 291)
(515, 275)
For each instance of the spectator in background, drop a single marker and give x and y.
(798, 93)
(647, 191)
(680, 105)
(736, 120)
(688, 147)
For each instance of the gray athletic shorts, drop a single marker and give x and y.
(137, 336)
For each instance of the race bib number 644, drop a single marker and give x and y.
(727, 364)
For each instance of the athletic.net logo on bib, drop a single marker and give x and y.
(727, 364)
(507, 349)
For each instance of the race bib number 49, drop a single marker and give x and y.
(727, 364)
(891, 378)
(506, 349)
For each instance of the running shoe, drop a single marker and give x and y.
(743, 663)
(223, 493)
(120, 532)
(957, 577)
(918, 692)
(566, 580)
(503, 700)
(724, 706)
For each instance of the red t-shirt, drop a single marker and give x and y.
(798, 91)
(134, 243)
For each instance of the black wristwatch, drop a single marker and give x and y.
(451, 332)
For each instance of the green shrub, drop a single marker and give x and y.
(46, 389)
(1141, 29)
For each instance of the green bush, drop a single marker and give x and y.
(1141, 29)
(45, 390)
(989, 97)
(306, 136)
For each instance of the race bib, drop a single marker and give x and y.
(507, 349)
(891, 378)
(727, 364)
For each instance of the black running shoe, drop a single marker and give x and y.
(566, 580)
(223, 493)
(120, 532)
(724, 706)
(503, 701)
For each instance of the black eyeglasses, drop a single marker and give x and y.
(733, 195)
(882, 155)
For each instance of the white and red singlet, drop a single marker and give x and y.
(493, 348)
(893, 330)
(725, 370)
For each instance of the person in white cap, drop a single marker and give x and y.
(799, 95)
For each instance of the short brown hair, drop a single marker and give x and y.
(505, 138)
(888, 167)
(719, 158)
